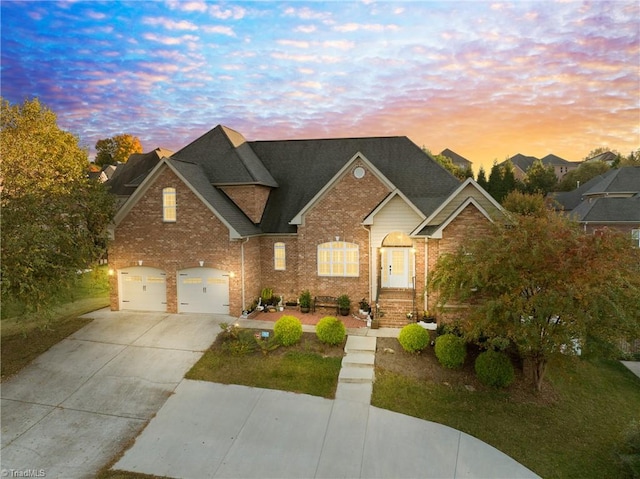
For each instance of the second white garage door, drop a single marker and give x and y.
(203, 290)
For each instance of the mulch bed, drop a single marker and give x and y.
(309, 318)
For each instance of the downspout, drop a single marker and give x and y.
(426, 273)
(368, 230)
(244, 304)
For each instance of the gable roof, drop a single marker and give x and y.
(221, 206)
(226, 159)
(303, 167)
(555, 160)
(457, 159)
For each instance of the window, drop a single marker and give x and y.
(338, 258)
(279, 257)
(635, 234)
(169, 205)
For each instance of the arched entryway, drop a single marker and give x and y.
(397, 261)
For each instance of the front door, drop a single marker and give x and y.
(396, 268)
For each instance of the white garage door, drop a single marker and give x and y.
(203, 290)
(142, 289)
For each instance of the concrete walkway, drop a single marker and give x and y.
(633, 366)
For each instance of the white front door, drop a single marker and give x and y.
(203, 290)
(396, 268)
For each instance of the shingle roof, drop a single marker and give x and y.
(127, 177)
(555, 160)
(521, 161)
(608, 210)
(226, 158)
(456, 158)
(595, 201)
(303, 167)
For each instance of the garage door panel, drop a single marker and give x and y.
(142, 289)
(203, 290)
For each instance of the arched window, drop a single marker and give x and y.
(279, 256)
(169, 205)
(338, 258)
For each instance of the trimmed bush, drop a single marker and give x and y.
(288, 330)
(450, 350)
(413, 338)
(494, 369)
(331, 330)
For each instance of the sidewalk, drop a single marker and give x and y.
(210, 430)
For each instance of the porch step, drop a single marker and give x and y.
(360, 344)
(359, 360)
(356, 375)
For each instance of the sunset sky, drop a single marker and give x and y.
(485, 79)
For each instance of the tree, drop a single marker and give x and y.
(540, 179)
(544, 285)
(117, 149)
(482, 178)
(53, 218)
(583, 173)
(525, 204)
(448, 165)
(632, 160)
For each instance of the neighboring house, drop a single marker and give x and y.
(610, 200)
(460, 161)
(104, 174)
(522, 163)
(210, 226)
(607, 157)
(129, 175)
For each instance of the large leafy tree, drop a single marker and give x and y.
(582, 174)
(540, 178)
(543, 284)
(53, 218)
(117, 149)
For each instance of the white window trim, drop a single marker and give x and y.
(635, 235)
(338, 264)
(169, 208)
(279, 261)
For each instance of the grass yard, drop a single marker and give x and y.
(24, 337)
(574, 428)
(308, 367)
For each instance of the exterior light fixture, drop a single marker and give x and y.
(201, 263)
(139, 262)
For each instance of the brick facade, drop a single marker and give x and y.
(198, 235)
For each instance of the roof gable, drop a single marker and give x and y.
(192, 176)
(456, 158)
(440, 214)
(436, 232)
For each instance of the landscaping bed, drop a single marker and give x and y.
(308, 367)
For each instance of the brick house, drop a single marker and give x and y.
(211, 225)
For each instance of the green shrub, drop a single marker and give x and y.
(494, 369)
(450, 350)
(413, 338)
(331, 330)
(288, 330)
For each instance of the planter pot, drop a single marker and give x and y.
(304, 309)
(344, 311)
(375, 324)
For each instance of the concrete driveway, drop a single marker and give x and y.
(77, 405)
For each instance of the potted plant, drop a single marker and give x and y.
(364, 306)
(344, 304)
(267, 297)
(305, 301)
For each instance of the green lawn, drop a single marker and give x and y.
(24, 337)
(309, 367)
(575, 432)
